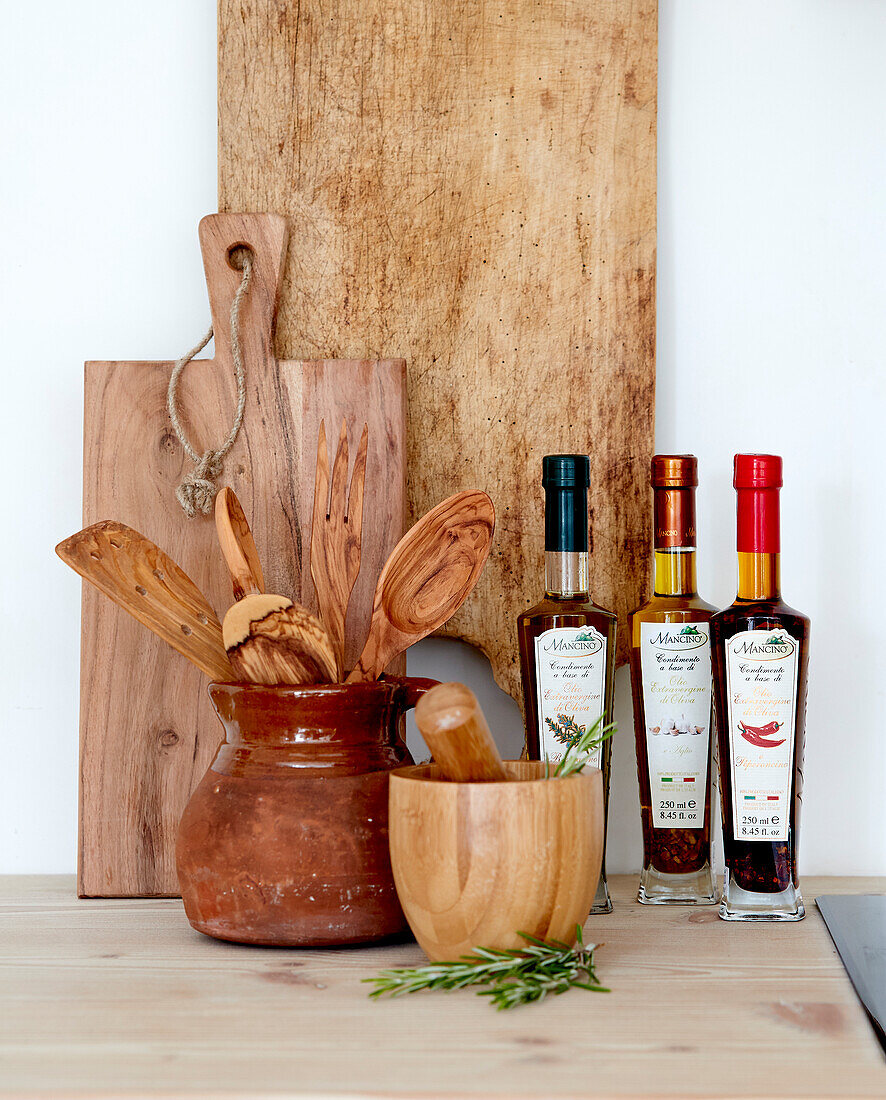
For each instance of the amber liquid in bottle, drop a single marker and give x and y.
(567, 642)
(760, 650)
(671, 683)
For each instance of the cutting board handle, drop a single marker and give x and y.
(266, 236)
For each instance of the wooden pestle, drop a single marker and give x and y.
(453, 725)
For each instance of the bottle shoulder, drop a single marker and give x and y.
(759, 614)
(673, 609)
(554, 607)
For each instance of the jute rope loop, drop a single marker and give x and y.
(197, 490)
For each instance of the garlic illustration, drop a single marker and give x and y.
(674, 727)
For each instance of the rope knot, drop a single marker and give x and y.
(197, 490)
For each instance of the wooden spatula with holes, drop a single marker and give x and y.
(146, 582)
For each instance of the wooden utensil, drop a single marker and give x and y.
(430, 574)
(271, 640)
(237, 545)
(511, 857)
(336, 533)
(543, 264)
(454, 727)
(143, 751)
(147, 583)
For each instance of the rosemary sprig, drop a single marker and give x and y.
(514, 977)
(576, 755)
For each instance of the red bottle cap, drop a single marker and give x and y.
(757, 481)
(757, 472)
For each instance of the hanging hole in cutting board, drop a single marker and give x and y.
(236, 255)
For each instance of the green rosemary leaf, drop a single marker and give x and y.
(513, 977)
(578, 750)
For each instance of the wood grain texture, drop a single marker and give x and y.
(336, 533)
(454, 727)
(430, 573)
(147, 729)
(698, 1008)
(475, 864)
(237, 545)
(271, 640)
(472, 186)
(130, 570)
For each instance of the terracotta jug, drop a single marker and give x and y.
(285, 840)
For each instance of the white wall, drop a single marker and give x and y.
(771, 304)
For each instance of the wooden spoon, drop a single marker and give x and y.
(237, 545)
(271, 640)
(454, 727)
(147, 583)
(427, 578)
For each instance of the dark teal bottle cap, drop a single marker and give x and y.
(566, 471)
(566, 479)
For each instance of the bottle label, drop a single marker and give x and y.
(570, 667)
(761, 688)
(675, 665)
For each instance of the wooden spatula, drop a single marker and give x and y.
(454, 727)
(430, 574)
(146, 582)
(237, 545)
(271, 640)
(336, 533)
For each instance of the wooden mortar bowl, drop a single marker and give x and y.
(477, 863)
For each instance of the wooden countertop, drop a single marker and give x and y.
(122, 998)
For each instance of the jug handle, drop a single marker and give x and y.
(412, 688)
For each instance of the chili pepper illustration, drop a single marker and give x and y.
(763, 731)
(752, 736)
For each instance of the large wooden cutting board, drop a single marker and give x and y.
(147, 731)
(470, 185)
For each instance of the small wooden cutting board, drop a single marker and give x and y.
(147, 729)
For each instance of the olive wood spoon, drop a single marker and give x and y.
(431, 572)
(139, 577)
(237, 545)
(271, 640)
(454, 727)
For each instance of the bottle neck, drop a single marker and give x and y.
(758, 543)
(759, 575)
(675, 573)
(566, 540)
(566, 573)
(674, 540)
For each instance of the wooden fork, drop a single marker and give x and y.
(336, 533)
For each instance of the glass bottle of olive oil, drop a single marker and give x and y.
(567, 642)
(671, 679)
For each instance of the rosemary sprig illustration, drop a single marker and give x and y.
(513, 977)
(565, 729)
(576, 755)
